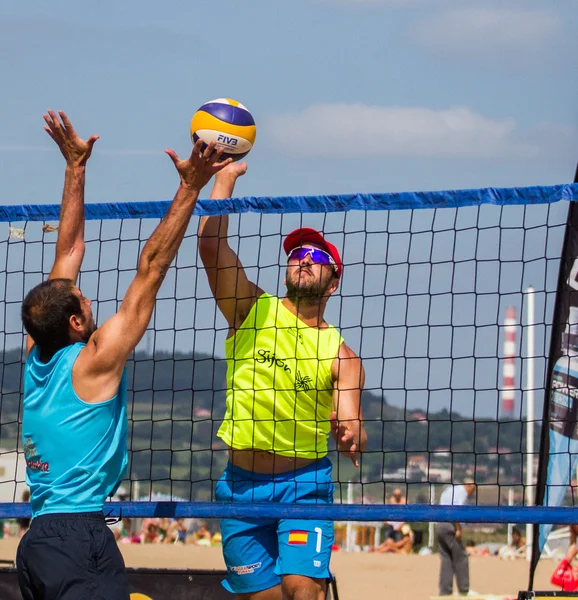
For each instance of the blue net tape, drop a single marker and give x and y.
(336, 512)
(309, 204)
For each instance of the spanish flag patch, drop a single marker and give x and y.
(298, 538)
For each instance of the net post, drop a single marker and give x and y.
(530, 412)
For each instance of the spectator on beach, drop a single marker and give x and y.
(454, 558)
(474, 550)
(164, 526)
(150, 533)
(404, 545)
(517, 548)
(217, 539)
(176, 532)
(518, 540)
(393, 528)
(122, 530)
(202, 536)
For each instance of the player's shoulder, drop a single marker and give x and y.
(345, 352)
(89, 354)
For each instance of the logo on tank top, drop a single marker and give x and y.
(265, 356)
(32, 459)
(303, 383)
(296, 333)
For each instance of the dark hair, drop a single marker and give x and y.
(46, 313)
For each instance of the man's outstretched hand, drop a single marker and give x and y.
(347, 443)
(197, 171)
(75, 150)
(232, 171)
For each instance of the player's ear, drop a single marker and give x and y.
(333, 285)
(75, 322)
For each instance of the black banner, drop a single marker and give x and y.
(159, 584)
(544, 595)
(558, 456)
(149, 584)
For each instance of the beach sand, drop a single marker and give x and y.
(359, 575)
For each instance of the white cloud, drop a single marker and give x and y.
(362, 130)
(490, 30)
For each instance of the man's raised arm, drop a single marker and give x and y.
(70, 241)
(234, 293)
(100, 365)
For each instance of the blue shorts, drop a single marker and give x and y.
(258, 551)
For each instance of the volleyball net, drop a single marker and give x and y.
(427, 282)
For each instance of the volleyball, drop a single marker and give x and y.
(228, 123)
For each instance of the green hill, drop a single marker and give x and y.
(175, 404)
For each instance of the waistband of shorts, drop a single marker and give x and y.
(320, 465)
(81, 516)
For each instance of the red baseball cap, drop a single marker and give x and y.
(307, 235)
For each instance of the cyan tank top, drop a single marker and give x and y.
(76, 453)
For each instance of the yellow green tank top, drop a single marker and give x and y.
(280, 387)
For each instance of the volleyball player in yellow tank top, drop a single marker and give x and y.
(291, 382)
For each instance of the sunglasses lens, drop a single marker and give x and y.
(317, 256)
(298, 253)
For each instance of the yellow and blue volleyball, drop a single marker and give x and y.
(228, 123)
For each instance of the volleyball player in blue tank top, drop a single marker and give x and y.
(74, 419)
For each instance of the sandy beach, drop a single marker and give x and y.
(358, 574)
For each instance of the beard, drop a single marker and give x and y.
(89, 329)
(307, 291)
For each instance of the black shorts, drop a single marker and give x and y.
(71, 557)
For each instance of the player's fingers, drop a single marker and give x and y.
(216, 155)
(67, 124)
(220, 166)
(48, 121)
(90, 141)
(49, 132)
(55, 120)
(173, 156)
(347, 435)
(198, 148)
(207, 154)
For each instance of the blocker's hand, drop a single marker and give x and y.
(75, 151)
(196, 172)
(346, 440)
(232, 171)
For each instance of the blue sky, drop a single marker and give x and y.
(348, 95)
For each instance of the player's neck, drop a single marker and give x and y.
(310, 314)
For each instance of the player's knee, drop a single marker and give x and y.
(296, 587)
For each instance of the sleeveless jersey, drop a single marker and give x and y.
(76, 454)
(280, 387)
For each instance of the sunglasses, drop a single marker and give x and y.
(317, 256)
